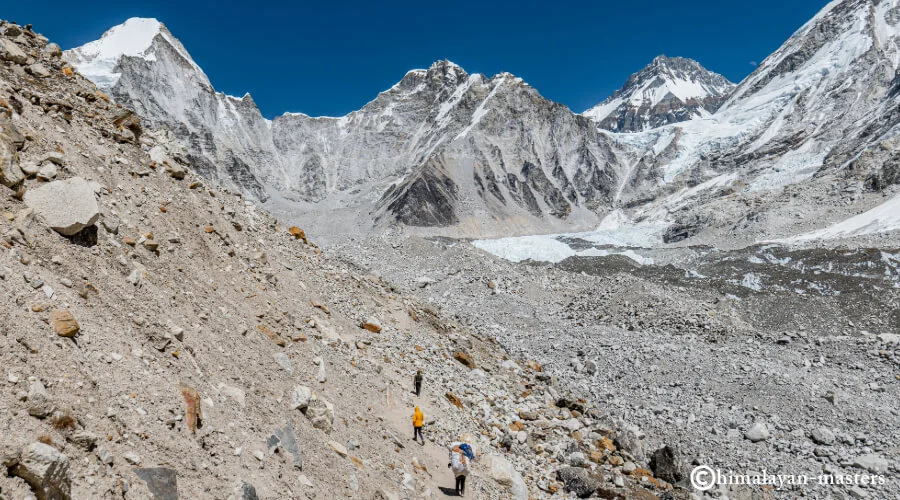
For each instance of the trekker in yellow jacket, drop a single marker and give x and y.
(418, 419)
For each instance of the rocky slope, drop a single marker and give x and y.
(668, 90)
(761, 359)
(166, 338)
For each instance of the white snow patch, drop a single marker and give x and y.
(752, 281)
(546, 249)
(97, 60)
(881, 219)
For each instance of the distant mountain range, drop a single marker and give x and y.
(668, 90)
(471, 155)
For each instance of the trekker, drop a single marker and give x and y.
(418, 419)
(417, 381)
(460, 456)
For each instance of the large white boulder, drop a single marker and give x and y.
(503, 472)
(46, 470)
(66, 206)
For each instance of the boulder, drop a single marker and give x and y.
(823, 436)
(501, 470)
(757, 432)
(320, 414)
(284, 362)
(37, 70)
(52, 50)
(579, 481)
(66, 206)
(300, 397)
(47, 172)
(464, 358)
(12, 30)
(10, 51)
(372, 324)
(243, 491)
(630, 438)
(46, 470)
(297, 233)
(666, 464)
(383, 494)
(10, 172)
(871, 462)
(162, 482)
(64, 324)
(176, 171)
(39, 403)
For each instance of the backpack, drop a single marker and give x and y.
(467, 450)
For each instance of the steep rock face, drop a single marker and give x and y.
(668, 90)
(811, 108)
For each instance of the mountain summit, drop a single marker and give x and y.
(668, 90)
(459, 154)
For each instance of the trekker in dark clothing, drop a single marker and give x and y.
(417, 381)
(461, 485)
(460, 456)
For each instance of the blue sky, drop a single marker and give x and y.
(332, 57)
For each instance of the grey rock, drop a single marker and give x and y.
(52, 50)
(244, 491)
(871, 462)
(757, 432)
(10, 51)
(320, 414)
(10, 172)
(83, 439)
(666, 464)
(579, 481)
(822, 436)
(66, 206)
(46, 470)
(505, 474)
(47, 172)
(105, 456)
(288, 441)
(54, 157)
(300, 397)
(39, 402)
(12, 30)
(37, 70)
(577, 459)
(111, 225)
(284, 362)
(162, 482)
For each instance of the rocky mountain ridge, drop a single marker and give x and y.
(668, 90)
(445, 152)
(436, 127)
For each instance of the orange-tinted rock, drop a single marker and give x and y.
(453, 400)
(297, 233)
(64, 323)
(274, 337)
(464, 358)
(372, 324)
(193, 415)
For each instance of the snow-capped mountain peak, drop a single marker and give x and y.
(668, 90)
(135, 37)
